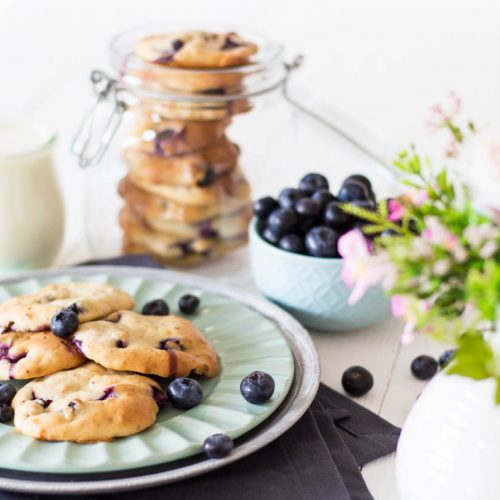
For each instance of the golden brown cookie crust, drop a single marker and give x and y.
(190, 170)
(86, 405)
(195, 49)
(167, 346)
(29, 355)
(33, 312)
(154, 206)
(152, 134)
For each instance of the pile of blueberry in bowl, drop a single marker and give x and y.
(294, 256)
(308, 219)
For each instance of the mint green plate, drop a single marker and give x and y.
(244, 340)
(248, 332)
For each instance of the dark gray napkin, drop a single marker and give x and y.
(320, 457)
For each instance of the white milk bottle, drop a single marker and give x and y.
(31, 209)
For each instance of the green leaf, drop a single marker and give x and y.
(383, 209)
(473, 358)
(409, 183)
(497, 392)
(361, 213)
(373, 228)
(442, 180)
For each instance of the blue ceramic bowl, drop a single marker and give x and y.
(311, 288)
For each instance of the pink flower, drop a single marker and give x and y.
(360, 269)
(399, 306)
(418, 197)
(436, 234)
(396, 210)
(442, 114)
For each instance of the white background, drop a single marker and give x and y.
(383, 62)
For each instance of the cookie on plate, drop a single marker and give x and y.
(154, 206)
(200, 168)
(29, 355)
(33, 312)
(195, 49)
(86, 405)
(167, 346)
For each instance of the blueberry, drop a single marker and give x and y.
(307, 207)
(189, 303)
(354, 192)
(264, 206)
(321, 241)
(177, 44)
(336, 218)
(64, 323)
(288, 197)
(218, 446)
(282, 221)
(357, 381)
(292, 243)
(443, 360)
(156, 307)
(257, 387)
(358, 179)
(312, 182)
(7, 393)
(270, 236)
(6, 412)
(323, 196)
(184, 393)
(424, 367)
(305, 225)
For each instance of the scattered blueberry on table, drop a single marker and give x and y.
(357, 381)
(184, 393)
(257, 387)
(157, 307)
(424, 367)
(218, 446)
(445, 357)
(64, 323)
(188, 304)
(308, 219)
(7, 393)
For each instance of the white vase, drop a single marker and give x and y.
(450, 443)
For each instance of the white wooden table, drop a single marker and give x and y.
(384, 62)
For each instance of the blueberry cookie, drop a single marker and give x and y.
(209, 110)
(184, 254)
(163, 79)
(167, 346)
(195, 49)
(86, 405)
(212, 191)
(33, 312)
(152, 134)
(153, 206)
(200, 168)
(227, 226)
(29, 355)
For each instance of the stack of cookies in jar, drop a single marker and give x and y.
(186, 198)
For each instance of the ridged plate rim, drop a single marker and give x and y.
(304, 385)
